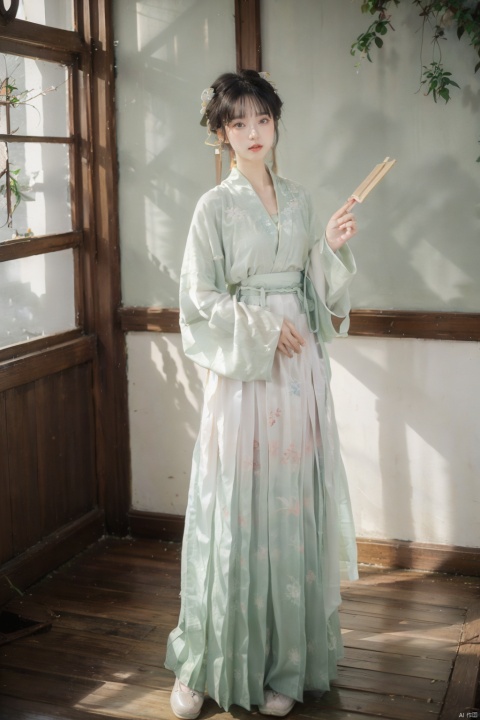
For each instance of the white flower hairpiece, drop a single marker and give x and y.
(208, 93)
(205, 97)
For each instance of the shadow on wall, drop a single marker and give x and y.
(165, 400)
(418, 244)
(30, 290)
(410, 246)
(163, 65)
(428, 439)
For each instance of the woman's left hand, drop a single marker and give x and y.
(342, 226)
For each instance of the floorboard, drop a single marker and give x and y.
(112, 609)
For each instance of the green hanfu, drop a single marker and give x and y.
(269, 527)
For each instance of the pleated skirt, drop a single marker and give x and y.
(268, 531)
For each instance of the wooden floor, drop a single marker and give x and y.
(112, 608)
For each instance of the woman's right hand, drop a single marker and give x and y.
(290, 340)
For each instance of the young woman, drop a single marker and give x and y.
(268, 522)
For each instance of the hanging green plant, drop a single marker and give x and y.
(12, 190)
(439, 15)
(17, 190)
(437, 80)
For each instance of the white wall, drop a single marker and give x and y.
(167, 52)
(407, 413)
(407, 410)
(419, 246)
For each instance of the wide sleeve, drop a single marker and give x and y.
(330, 273)
(218, 331)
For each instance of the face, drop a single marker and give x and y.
(251, 135)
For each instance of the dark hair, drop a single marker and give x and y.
(233, 90)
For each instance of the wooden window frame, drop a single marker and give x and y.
(88, 52)
(31, 40)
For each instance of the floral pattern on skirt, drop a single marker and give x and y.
(268, 523)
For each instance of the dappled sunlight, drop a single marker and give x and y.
(410, 464)
(164, 60)
(439, 269)
(165, 400)
(29, 296)
(37, 107)
(121, 701)
(58, 13)
(417, 246)
(176, 360)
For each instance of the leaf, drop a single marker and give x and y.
(477, 67)
(444, 94)
(378, 42)
(460, 31)
(452, 82)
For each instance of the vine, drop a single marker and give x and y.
(11, 188)
(438, 15)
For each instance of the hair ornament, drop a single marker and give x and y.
(220, 100)
(205, 97)
(266, 76)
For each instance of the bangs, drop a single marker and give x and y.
(238, 107)
(235, 94)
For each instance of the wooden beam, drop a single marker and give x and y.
(248, 35)
(420, 556)
(391, 554)
(156, 525)
(31, 36)
(52, 139)
(41, 343)
(38, 245)
(415, 324)
(149, 319)
(370, 323)
(11, 46)
(101, 268)
(28, 368)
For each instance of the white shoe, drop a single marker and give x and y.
(185, 703)
(275, 703)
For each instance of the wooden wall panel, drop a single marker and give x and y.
(6, 540)
(51, 452)
(81, 485)
(22, 458)
(47, 457)
(65, 446)
(63, 402)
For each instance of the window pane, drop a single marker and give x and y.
(56, 13)
(36, 297)
(37, 94)
(41, 172)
